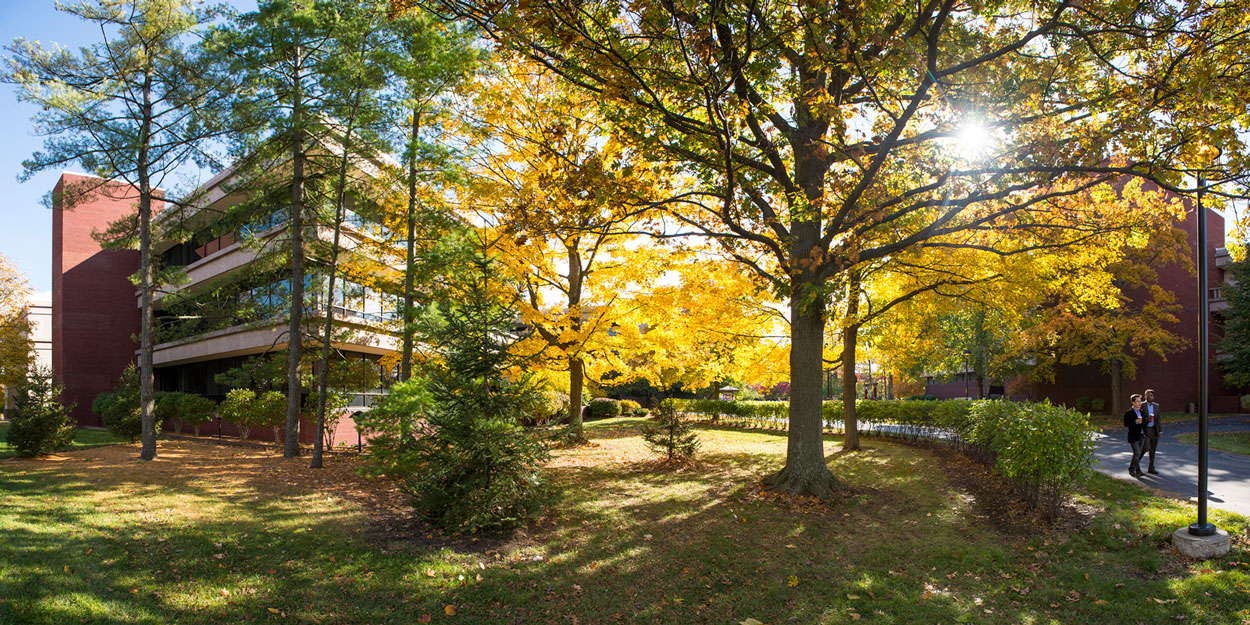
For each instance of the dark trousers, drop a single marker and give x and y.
(1139, 447)
(1152, 443)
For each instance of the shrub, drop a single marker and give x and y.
(550, 406)
(639, 412)
(239, 408)
(41, 423)
(196, 410)
(628, 406)
(475, 468)
(1097, 404)
(1083, 403)
(119, 411)
(1047, 451)
(602, 408)
(270, 411)
(1245, 402)
(668, 434)
(392, 423)
(181, 408)
(336, 407)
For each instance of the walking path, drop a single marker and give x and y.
(1228, 477)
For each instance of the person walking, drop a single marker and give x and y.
(1134, 421)
(1154, 427)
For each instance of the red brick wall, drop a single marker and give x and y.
(94, 310)
(1174, 378)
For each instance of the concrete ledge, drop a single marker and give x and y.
(1201, 547)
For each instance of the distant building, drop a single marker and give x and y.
(238, 307)
(39, 313)
(1175, 380)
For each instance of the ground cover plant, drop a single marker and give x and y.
(1235, 442)
(211, 534)
(83, 439)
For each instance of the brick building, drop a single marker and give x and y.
(231, 307)
(1174, 379)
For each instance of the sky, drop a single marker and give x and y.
(26, 226)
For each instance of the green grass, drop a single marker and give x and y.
(83, 439)
(106, 539)
(1235, 442)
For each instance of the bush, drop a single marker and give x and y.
(1047, 451)
(1084, 403)
(474, 468)
(1097, 404)
(181, 409)
(239, 408)
(602, 408)
(1245, 402)
(119, 411)
(550, 406)
(639, 412)
(41, 423)
(270, 411)
(668, 434)
(629, 406)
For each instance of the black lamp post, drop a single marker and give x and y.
(1202, 527)
(967, 393)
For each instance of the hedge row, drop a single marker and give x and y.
(1045, 451)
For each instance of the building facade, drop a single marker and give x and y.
(230, 309)
(1174, 378)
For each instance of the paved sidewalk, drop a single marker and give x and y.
(1228, 479)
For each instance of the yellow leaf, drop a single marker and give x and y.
(750, 621)
(792, 581)
(66, 568)
(449, 610)
(272, 610)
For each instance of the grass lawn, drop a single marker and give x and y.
(208, 534)
(1236, 442)
(82, 439)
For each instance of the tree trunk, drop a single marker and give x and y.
(577, 372)
(850, 340)
(340, 210)
(577, 369)
(1117, 405)
(981, 362)
(296, 228)
(147, 396)
(405, 357)
(805, 472)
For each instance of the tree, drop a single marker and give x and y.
(668, 434)
(240, 408)
(821, 137)
(16, 346)
(41, 423)
(476, 468)
(132, 108)
(565, 199)
(430, 59)
(121, 411)
(1236, 341)
(279, 52)
(353, 79)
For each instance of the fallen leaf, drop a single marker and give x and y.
(224, 592)
(449, 610)
(66, 568)
(792, 581)
(425, 618)
(750, 621)
(1158, 600)
(272, 610)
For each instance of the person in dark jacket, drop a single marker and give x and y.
(1154, 427)
(1134, 420)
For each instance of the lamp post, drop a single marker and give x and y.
(967, 392)
(1202, 539)
(1202, 527)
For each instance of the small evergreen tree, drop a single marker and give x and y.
(478, 466)
(119, 411)
(1235, 346)
(41, 423)
(668, 434)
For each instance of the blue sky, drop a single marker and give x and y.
(26, 228)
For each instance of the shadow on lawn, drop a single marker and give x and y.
(629, 543)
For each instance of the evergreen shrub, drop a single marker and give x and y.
(668, 434)
(41, 423)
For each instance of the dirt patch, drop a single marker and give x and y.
(995, 501)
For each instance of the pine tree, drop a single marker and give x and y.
(668, 434)
(478, 466)
(41, 423)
